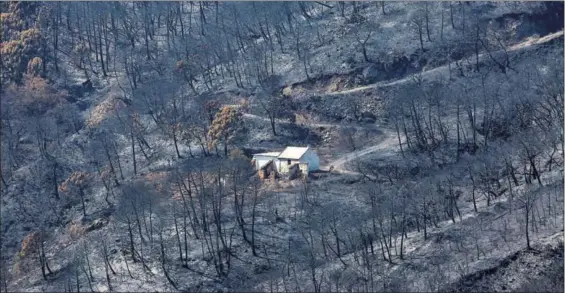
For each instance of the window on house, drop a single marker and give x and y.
(288, 162)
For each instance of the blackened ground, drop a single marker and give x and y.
(537, 270)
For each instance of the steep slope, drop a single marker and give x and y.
(133, 195)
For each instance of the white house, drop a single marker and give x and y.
(305, 157)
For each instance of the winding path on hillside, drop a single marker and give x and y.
(386, 147)
(444, 69)
(311, 124)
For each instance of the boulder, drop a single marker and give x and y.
(77, 91)
(82, 105)
(368, 117)
(87, 85)
(367, 121)
(258, 269)
(97, 224)
(371, 73)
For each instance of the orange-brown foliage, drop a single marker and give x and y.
(225, 123)
(101, 110)
(36, 95)
(76, 230)
(157, 180)
(78, 179)
(30, 243)
(34, 66)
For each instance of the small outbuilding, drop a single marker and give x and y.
(267, 171)
(264, 158)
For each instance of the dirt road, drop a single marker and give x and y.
(443, 70)
(327, 125)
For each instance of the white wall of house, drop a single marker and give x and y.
(283, 166)
(312, 159)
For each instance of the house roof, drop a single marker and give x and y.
(269, 154)
(265, 163)
(293, 153)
